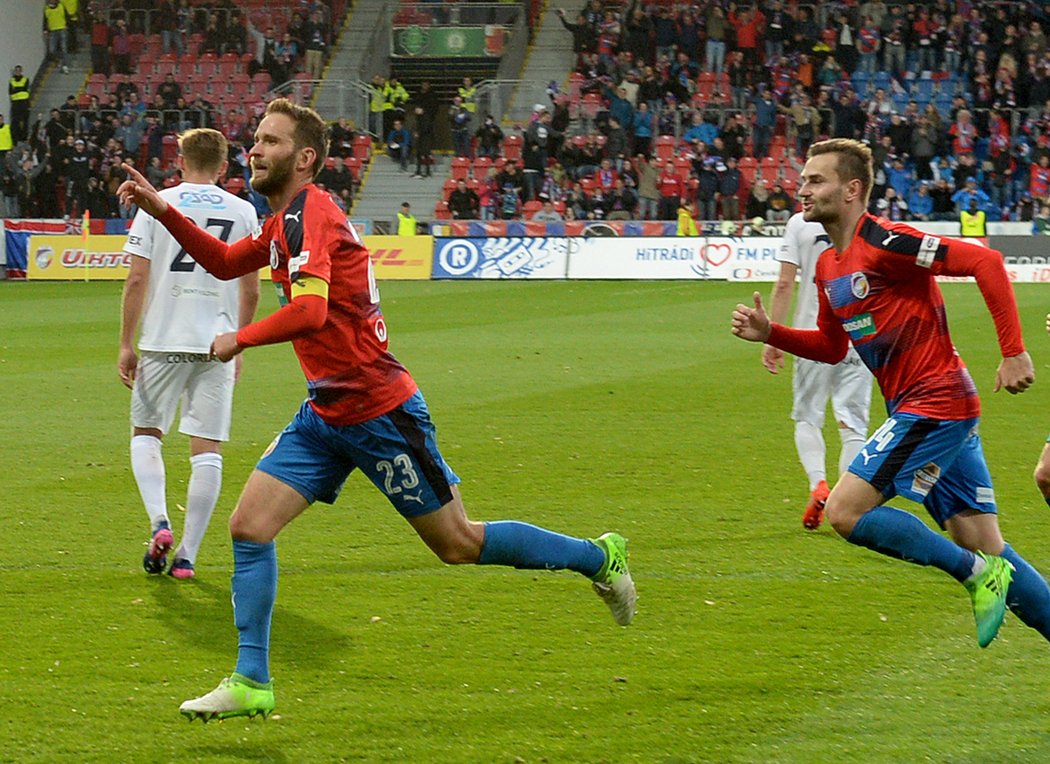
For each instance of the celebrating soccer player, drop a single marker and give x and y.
(877, 288)
(363, 411)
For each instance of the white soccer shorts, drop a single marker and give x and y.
(846, 384)
(204, 387)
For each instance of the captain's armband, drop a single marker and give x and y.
(309, 285)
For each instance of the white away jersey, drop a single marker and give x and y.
(185, 305)
(803, 244)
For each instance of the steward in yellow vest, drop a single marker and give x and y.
(973, 221)
(469, 93)
(18, 90)
(406, 223)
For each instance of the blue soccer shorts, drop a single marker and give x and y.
(397, 451)
(935, 462)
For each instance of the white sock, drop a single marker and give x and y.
(201, 495)
(852, 443)
(809, 441)
(147, 465)
(978, 567)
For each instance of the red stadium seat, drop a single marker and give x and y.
(441, 211)
(481, 167)
(683, 166)
(531, 208)
(353, 164)
(512, 147)
(460, 168)
(665, 147)
(363, 147)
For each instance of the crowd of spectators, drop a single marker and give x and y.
(953, 96)
(70, 161)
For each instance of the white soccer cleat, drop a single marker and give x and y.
(235, 696)
(613, 582)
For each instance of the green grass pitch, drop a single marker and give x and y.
(583, 407)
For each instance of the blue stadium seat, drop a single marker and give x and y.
(882, 80)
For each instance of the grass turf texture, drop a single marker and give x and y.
(583, 407)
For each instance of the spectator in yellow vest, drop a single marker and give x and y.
(469, 93)
(376, 106)
(973, 220)
(18, 90)
(72, 8)
(686, 224)
(55, 23)
(6, 142)
(406, 223)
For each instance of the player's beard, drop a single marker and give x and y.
(823, 212)
(278, 173)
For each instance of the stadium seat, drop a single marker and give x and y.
(170, 149)
(235, 185)
(683, 166)
(587, 184)
(460, 168)
(353, 164)
(531, 208)
(665, 147)
(512, 147)
(441, 211)
(362, 147)
(448, 187)
(481, 166)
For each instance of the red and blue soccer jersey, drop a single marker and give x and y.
(350, 374)
(881, 294)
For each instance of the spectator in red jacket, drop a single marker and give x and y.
(671, 190)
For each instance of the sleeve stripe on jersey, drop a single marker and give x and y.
(902, 243)
(292, 217)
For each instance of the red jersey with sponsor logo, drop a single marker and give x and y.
(881, 293)
(350, 374)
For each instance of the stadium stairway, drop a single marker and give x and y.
(55, 87)
(349, 60)
(549, 58)
(385, 187)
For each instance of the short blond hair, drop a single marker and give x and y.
(853, 161)
(203, 149)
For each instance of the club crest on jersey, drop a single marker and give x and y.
(275, 256)
(925, 479)
(858, 284)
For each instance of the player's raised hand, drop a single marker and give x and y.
(751, 324)
(1015, 374)
(137, 190)
(772, 359)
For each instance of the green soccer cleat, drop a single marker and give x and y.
(235, 696)
(988, 593)
(613, 582)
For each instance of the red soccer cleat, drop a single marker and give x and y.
(814, 514)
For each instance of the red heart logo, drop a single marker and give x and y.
(724, 249)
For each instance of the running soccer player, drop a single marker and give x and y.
(182, 307)
(363, 410)
(877, 288)
(846, 384)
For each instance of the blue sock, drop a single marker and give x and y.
(1029, 595)
(896, 533)
(254, 588)
(521, 545)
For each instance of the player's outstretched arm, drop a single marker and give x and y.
(1015, 374)
(751, 324)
